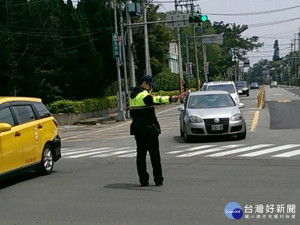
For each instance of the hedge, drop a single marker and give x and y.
(92, 104)
(86, 105)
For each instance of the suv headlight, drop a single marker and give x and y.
(245, 89)
(195, 119)
(236, 117)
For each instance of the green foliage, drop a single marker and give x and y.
(166, 80)
(51, 50)
(86, 105)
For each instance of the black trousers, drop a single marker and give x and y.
(148, 143)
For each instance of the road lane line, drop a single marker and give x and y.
(209, 150)
(219, 154)
(254, 122)
(288, 154)
(269, 150)
(191, 149)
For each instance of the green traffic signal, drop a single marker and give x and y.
(204, 18)
(198, 18)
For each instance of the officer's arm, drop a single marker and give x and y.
(157, 100)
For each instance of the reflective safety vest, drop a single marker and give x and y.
(138, 101)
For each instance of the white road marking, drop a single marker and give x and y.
(112, 153)
(75, 151)
(208, 151)
(191, 149)
(288, 154)
(89, 154)
(219, 154)
(269, 150)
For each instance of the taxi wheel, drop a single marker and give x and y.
(46, 165)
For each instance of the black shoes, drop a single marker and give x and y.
(159, 184)
(144, 184)
(147, 184)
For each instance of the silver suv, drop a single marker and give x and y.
(228, 86)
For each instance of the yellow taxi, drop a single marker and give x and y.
(28, 136)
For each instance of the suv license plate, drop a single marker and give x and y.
(217, 127)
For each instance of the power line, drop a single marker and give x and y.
(273, 23)
(253, 13)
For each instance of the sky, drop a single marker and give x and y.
(262, 23)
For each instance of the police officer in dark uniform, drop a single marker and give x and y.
(145, 128)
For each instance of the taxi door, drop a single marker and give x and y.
(29, 135)
(10, 144)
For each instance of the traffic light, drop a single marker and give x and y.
(196, 18)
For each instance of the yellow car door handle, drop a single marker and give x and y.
(17, 134)
(40, 126)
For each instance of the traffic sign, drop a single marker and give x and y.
(177, 20)
(115, 44)
(212, 39)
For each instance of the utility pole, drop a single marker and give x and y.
(147, 53)
(129, 48)
(196, 59)
(188, 71)
(124, 67)
(179, 53)
(120, 115)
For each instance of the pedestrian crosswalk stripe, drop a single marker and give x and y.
(270, 150)
(219, 154)
(127, 155)
(87, 150)
(191, 149)
(208, 151)
(72, 150)
(288, 154)
(112, 153)
(91, 152)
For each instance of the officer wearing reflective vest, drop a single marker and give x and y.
(145, 127)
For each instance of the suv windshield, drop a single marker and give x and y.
(221, 87)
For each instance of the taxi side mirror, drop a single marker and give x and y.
(4, 127)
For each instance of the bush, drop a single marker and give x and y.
(86, 105)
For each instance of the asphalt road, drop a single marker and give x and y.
(96, 182)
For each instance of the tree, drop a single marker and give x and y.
(276, 51)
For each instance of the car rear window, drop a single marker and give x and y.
(221, 87)
(6, 116)
(42, 110)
